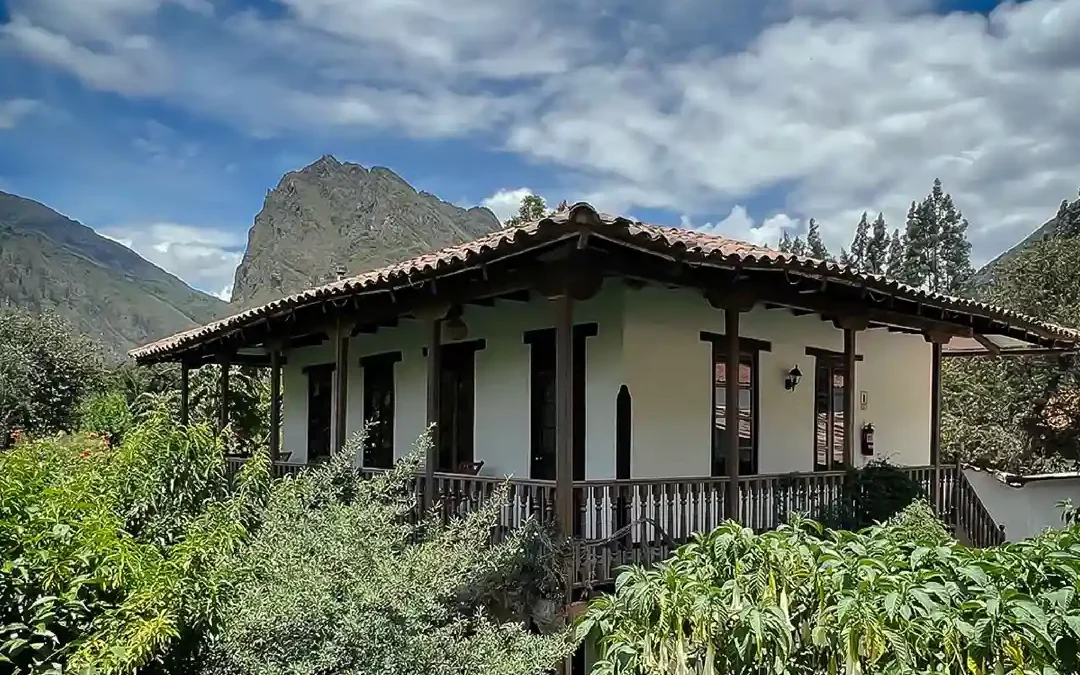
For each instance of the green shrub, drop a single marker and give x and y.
(339, 580)
(111, 555)
(918, 522)
(802, 599)
(106, 414)
(868, 495)
(45, 370)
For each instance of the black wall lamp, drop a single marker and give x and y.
(792, 379)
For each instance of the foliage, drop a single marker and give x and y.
(868, 495)
(1022, 413)
(106, 414)
(877, 248)
(532, 208)
(803, 599)
(815, 247)
(112, 556)
(339, 580)
(918, 522)
(45, 370)
(937, 254)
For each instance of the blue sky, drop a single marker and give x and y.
(162, 123)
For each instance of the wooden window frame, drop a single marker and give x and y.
(830, 360)
(376, 452)
(748, 348)
(328, 368)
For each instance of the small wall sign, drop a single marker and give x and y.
(864, 399)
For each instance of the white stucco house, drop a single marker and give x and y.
(586, 356)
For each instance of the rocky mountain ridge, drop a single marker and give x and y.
(336, 216)
(49, 262)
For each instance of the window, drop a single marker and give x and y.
(748, 403)
(457, 399)
(379, 409)
(320, 397)
(830, 377)
(542, 400)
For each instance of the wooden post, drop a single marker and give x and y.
(935, 424)
(223, 412)
(275, 404)
(850, 390)
(185, 394)
(341, 386)
(731, 410)
(434, 365)
(564, 414)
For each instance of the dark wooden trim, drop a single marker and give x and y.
(318, 366)
(275, 405)
(732, 356)
(819, 353)
(580, 330)
(935, 419)
(185, 393)
(719, 356)
(466, 345)
(564, 415)
(851, 387)
(624, 429)
(378, 359)
(309, 340)
(747, 344)
(434, 366)
(341, 388)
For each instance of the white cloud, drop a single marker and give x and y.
(835, 107)
(204, 257)
(14, 110)
(738, 224)
(505, 202)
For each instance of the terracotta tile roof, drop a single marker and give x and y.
(681, 244)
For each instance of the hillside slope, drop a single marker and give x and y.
(332, 215)
(105, 290)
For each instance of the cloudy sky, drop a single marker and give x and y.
(162, 123)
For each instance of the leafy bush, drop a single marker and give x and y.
(339, 580)
(106, 414)
(45, 370)
(918, 522)
(869, 494)
(804, 599)
(111, 556)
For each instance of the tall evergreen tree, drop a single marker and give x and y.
(847, 258)
(860, 244)
(937, 253)
(877, 249)
(798, 246)
(814, 244)
(784, 245)
(894, 264)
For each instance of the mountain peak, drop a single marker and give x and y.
(335, 214)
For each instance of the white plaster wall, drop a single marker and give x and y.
(648, 339)
(502, 382)
(667, 367)
(1024, 511)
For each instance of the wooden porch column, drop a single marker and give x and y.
(275, 404)
(850, 388)
(223, 412)
(564, 413)
(185, 394)
(935, 422)
(434, 365)
(341, 385)
(731, 411)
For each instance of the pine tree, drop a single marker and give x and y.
(847, 259)
(784, 245)
(816, 247)
(859, 245)
(877, 249)
(894, 265)
(798, 246)
(937, 253)
(953, 250)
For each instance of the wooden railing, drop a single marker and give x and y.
(643, 520)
